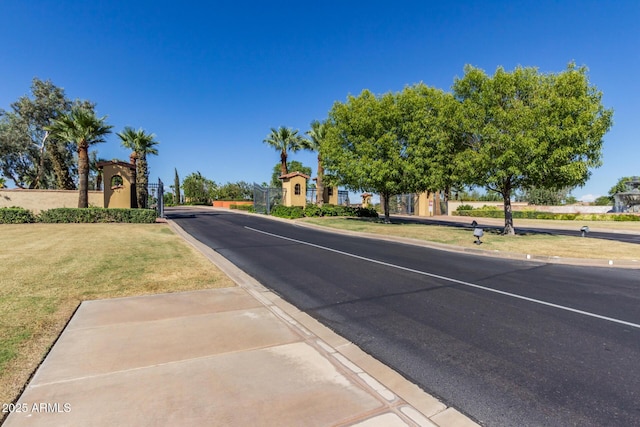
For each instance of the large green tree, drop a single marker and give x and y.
(317, 134)
(142, 144)
(285, 140)
(237, 191)
(526, 129)
(82, 128)
(29, 156)
(430, 124)
(367, 148)
(198, 189)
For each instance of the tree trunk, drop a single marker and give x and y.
(386, 197)
(133, 159)
(283, 163)
(320, 184)
(41, 163)
(143, 181)
(83, 175)
(447, 196)
(508, 213)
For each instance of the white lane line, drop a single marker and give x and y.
(449, 279)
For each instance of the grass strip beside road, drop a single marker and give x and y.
(533, 244)
(48, 269)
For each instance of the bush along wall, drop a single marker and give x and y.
(490, 213)
(248, 208)
(16, 216)
(93, 215)
(311, 210)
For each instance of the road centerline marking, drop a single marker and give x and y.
(452, 280)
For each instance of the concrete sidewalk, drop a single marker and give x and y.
(227, 357)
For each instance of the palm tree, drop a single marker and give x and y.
(284, 140)
(317, 135)
(141, 143)
(84, 129)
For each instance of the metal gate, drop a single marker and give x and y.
(402, 204)
(265, 198)
(155, 197)
(343, 196)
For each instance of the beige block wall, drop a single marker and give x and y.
(41, 200)
(521, 206)
(453, 205)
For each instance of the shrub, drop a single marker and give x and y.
(93, 215)
(530, 214)
(290, 212)
(464, 208)
(490, 208)
(626, 217)
(15, 215)
(366, 212)
(248, 208)
(312, 210)
(337, 210)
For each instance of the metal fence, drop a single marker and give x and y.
(402, 204)
(405, 204)
(343, 197)
(265, 198)
(155, 197)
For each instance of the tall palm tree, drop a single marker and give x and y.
(285, 140)
(317, 135)
(141, 143)
(82, 128)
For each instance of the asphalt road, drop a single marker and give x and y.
(509, 343)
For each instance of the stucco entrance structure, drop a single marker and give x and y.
(294, 186)
(427, 204)
(119, 184)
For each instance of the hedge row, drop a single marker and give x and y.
(490, 213)
(248, 208)
(77, 215)
(16, 216)
(312, 210)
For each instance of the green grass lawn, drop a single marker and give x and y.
(533, 244)
(48, 269)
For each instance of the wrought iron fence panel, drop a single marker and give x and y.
(265, 198)
(402, 204)
(343, 198)
(155, 197)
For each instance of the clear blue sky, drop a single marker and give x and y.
(210, 78)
